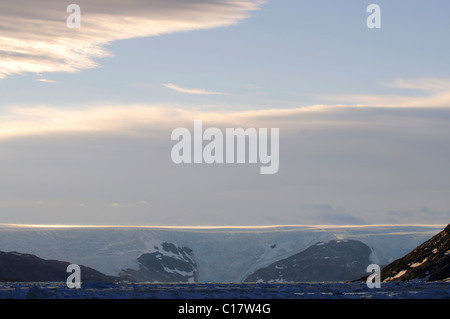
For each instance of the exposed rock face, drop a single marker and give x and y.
(168, 263)
(15, 266)
(429, 261)
(335, 260)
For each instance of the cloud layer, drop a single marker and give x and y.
(35, 38)
(155, 120)
(189, 91)
(337, 164)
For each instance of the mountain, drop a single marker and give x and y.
(429, 261)
(15, 266)
(334, 260)
(220, 254)
(168, 263)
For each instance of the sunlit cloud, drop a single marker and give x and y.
(39, 120)
(189, 91)
(124, 119)
(155, 121)
(140, 119)
(35, 37)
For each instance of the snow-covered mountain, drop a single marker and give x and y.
(167, 263)
(220, 255)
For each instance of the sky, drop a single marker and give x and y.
(86, 114)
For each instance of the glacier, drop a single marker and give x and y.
(227, 254)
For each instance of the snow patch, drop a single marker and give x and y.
(401, 273)
(180, 272)
(418, 264)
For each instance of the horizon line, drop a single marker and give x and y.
(206, 227)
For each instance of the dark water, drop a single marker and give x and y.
(400, 290)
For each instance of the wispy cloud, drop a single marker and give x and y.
(35, 37)
(46, 81)
(424, 84)
(190, 91)
(428, 92)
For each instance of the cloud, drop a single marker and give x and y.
(425, 84)
(35, 37)
(428, 92)
(359, 163)
(41, 120)
(46, 81)
(17, 121)
(189, 91)
(153, 120)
